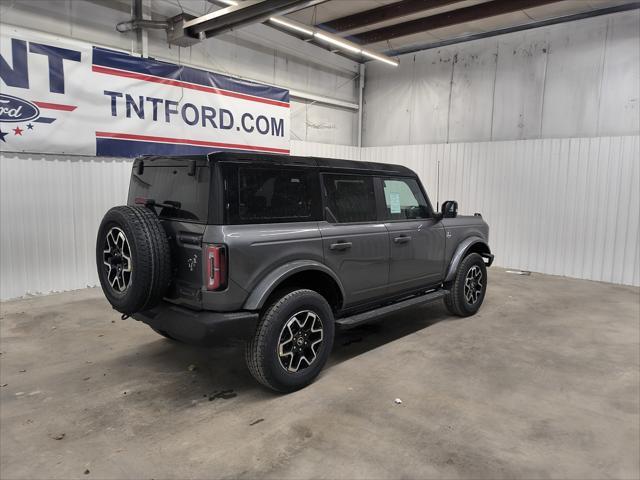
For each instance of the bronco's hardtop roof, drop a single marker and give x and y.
(280, 160)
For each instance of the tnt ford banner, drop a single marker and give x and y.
(62, 96)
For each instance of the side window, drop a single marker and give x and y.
(350, 198)
(404, 199)
(260, 195)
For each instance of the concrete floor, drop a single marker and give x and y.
(543, 382)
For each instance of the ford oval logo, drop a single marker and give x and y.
(14, 109)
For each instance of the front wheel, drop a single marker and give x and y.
(467, 291)
(292, 342)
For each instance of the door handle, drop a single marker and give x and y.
(340, 246)
(402, 239)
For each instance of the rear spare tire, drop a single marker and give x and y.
(133, 259)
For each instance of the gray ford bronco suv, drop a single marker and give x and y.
(280, 251)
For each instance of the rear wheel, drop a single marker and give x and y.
(468, 288)
(292, 342)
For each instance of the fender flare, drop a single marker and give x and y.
(270, 282)
(461, 252)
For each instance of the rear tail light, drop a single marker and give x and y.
(216, 259)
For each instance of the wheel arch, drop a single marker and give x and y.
(304, 274)
(467, 246)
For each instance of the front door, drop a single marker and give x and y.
(355, 242)
(416, 239)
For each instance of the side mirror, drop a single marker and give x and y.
(449, 209)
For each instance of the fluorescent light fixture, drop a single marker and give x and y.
(338, 43)
(233, 3)
(370, 54)
(331, 39)
(296, 27)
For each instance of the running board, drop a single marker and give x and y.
(359, 318)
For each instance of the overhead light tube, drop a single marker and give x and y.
(380, 58)
(296, 27)
(337, 42)
(332, 39)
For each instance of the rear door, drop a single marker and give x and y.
(355, 242)
(416, 240)
(186, 198)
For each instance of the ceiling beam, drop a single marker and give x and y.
(259, 34)
(383, 14)
(285, 43)
(295, 8)
(447, 19)
(517, 28)
(236, 16)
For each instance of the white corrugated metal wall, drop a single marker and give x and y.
(575, 79)
(313, 149)
(559, 206)
(51, 207)
(566, 207)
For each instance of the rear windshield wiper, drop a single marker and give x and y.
(170, 208)
(150, 202)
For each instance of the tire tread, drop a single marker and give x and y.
(454, 301)
(152, 261)
(255, 348)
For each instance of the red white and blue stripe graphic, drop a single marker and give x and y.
(52, 106)
(131, 142)
(150, 70)
(122, 144)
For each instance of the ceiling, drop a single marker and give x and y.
(392, 26)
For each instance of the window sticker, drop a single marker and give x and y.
(394, 202)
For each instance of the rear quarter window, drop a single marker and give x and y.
(270, 195)
(188, 195)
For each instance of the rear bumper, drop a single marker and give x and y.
(199, 327)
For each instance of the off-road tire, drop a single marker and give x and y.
(455, 301)
(261, 351)
(150, 259)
